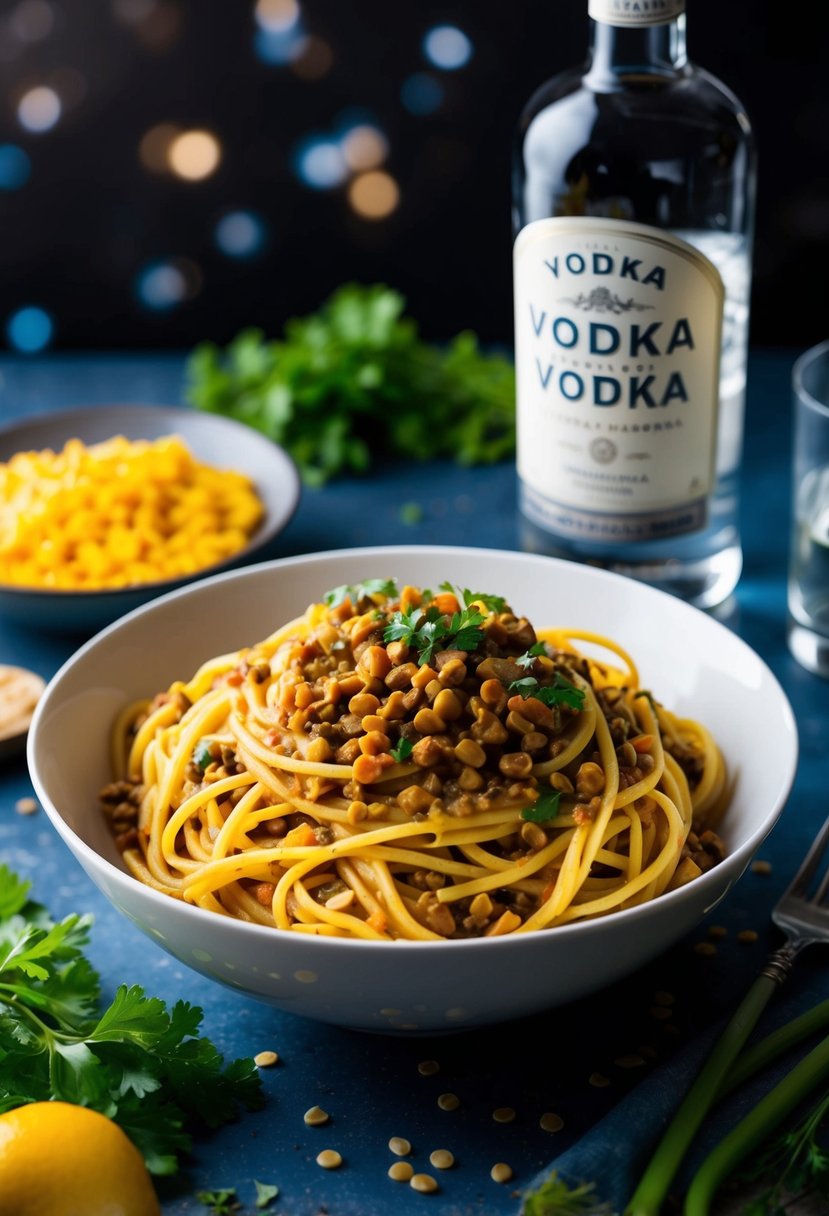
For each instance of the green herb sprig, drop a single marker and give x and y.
(560, 692)
(430, 631)
(355, 379)
(544, 808)
(147, 1068)
(355, 592)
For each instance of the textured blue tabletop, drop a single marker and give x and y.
(371, 1086)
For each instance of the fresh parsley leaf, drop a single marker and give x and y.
(202, 757)
(144, 1066)
(357, 591)
(265, 1192)
(354, 370)
(402, 750)
(220, 1202)
(555, 1198)
(403, 626)
(544, 809)
(466, 626)
(527, 659)
(495, 603)
(560, 692)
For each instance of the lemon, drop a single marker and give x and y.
(62, 1160)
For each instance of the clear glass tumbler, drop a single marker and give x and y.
(808, 616)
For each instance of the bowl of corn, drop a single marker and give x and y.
(105, 507)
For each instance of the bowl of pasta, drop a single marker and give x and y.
(105, 507)
(359, 784)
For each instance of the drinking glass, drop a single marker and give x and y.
(808, 615)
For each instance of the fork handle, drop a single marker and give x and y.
(779, 964)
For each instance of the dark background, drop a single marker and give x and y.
(112, 253)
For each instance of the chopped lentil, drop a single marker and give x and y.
(550, 1122)
(316, 1116)
(503, 1114)
(329, 1159)
(501, 1172)
(400, 1146)
(717, 931)
(424, 1183)
(598, 1080)
(449, 1101)
(265, 1059)
(428, 1068)
(26, 806)
(400, 1171)
(761, 867)
(705, 948)
(442, 1159)
(747, 936)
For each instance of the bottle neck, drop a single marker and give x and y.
(618, 53)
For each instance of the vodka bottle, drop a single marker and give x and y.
(633, 210)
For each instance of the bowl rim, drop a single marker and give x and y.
(736, 860)
(270, 527)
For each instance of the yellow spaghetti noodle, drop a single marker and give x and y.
(398, 764)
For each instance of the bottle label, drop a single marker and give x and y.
(617, 350)
(635, 12)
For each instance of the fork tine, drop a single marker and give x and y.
(800, 883)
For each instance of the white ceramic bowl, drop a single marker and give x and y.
(695, 665)
(212, 439)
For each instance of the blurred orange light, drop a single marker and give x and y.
(154, 148)
(315, 61)
(364, 147)
(194, 155)
(277, 15)
(374, 195)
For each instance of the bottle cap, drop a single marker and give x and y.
(635, 12)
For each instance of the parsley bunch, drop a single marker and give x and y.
(355, 379)
(431, 630)
(146, 1067)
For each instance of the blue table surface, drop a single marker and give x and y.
(371, 1085)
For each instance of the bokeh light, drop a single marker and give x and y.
(241, 234)
(364, 147)
(39, 109)
(163, 285)
(315, 60)
(194, 155)
(15, 167)
(374, 195)
(154, 148)
(29, 330)
(32, 20)
(277, 16)
(319, 163)
(421, 94)
(447, 47)
(280, 47)
(133, 12)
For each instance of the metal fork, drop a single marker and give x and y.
(804, 920)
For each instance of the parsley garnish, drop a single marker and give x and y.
(144, 1066)
(495, 603)
(220, 1202)
(560, 692)
(555, 1198)
(265, 1192)
(430, 631)
(544, 809)
(527, 659)
(402, 750)
(202, 756)
(359, 591)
